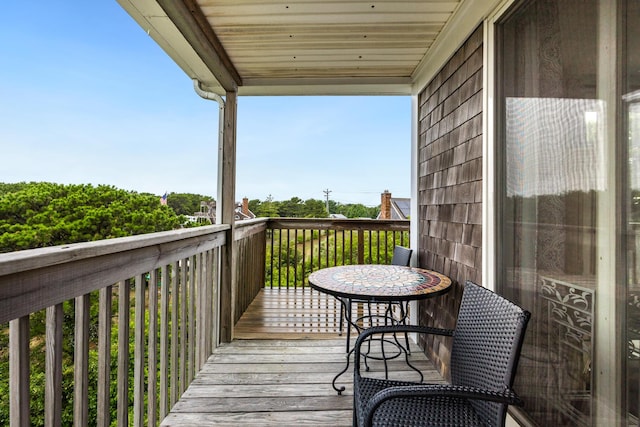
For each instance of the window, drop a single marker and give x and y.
(569, 174)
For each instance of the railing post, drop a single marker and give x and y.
(227, 198)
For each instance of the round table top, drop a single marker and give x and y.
(378, 282)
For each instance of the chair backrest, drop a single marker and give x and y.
(401, 256)
(486, 346)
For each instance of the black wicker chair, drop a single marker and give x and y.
(486, 347)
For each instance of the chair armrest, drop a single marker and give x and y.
(393, 329)
(507, 396)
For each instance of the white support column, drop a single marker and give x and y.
(414, 225)
(607, 359)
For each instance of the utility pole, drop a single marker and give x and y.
(326, 193)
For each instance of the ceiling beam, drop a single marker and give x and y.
(191, 22)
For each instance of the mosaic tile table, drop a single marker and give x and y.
(371, 283)
(375, 282)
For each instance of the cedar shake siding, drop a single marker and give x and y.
(450, 186)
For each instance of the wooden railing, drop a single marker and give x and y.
(166, 333)
(297, 247)
(117, 329)
(249, 255)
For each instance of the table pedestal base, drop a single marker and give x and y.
(388, 319)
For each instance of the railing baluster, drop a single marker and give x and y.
(53, 367)
(138, 353)
(295, 259)
(382, 244)
(271, 240)
(81, 362)
(152, 386)
(304, 254)
(279, 257)
(183, 325)
(104, 356)
(287, 260)
(201, 312)
(326, 246)
(350, 246)
(175, 306)
(19, 372)
(312, 239)
(192, 318)
(123, 352)
(209, 326)
(164, 342)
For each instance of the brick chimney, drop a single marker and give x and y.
(245, 206)
(385, 205)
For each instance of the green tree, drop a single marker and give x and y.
(47, 214)
(267, 209)
(314, 208)
(292, 208)
(311, 208)
(11, 187)
(254, 205)
(186, 203)
(357, 211)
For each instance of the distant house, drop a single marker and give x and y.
(242, 210)
(394, 207)
(337, 216)
(208, 211)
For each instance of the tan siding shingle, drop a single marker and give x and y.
(450, 185)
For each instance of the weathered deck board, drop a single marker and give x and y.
(294, 314)
(284, 382)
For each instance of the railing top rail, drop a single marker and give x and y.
(35, 279)
(249, 227)
(250, 222)
(340, 224)
(14, 262)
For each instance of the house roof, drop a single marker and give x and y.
(400, 208)
(311, 47)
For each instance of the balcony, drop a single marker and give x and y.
(164, 297)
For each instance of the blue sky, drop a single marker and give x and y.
(87, 97)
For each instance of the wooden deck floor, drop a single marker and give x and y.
(263, 379)
(295, 314)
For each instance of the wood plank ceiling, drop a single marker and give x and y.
(264, 43)
(307, 39)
